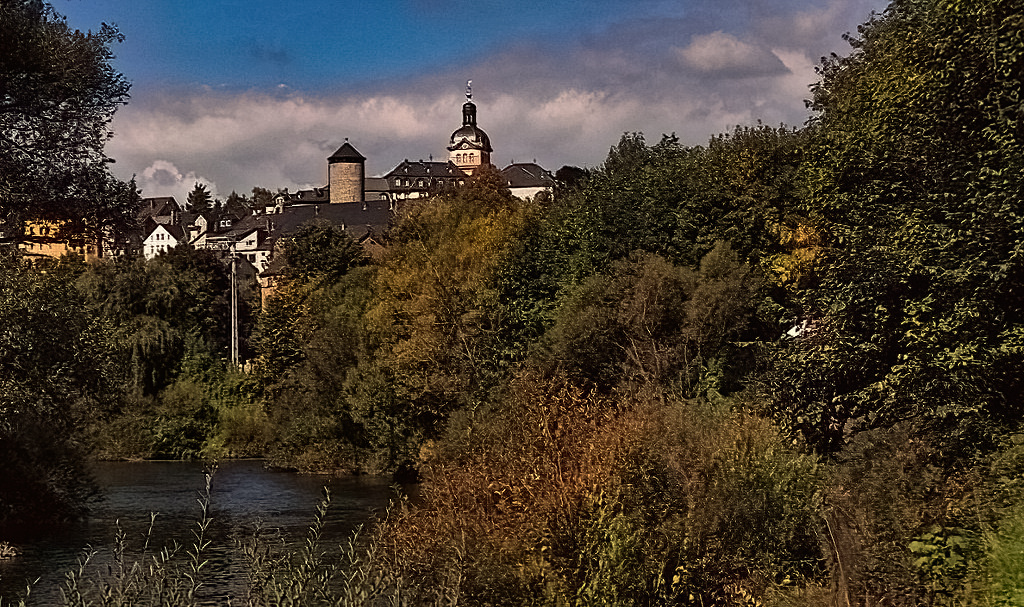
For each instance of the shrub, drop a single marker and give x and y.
(566, 497)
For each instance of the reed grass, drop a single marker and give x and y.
(278, 573)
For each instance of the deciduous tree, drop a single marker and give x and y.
(58, 94)
(55, 370)
(916, 173)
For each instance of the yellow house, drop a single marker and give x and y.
(45, 238)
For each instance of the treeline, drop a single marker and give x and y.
(781, 368)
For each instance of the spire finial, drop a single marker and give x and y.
(469, 90)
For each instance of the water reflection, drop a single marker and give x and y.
(243, 493)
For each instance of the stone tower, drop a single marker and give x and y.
(470, 146)
(346, 175)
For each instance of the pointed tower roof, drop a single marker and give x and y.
(346, 153)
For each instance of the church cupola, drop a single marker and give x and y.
(469, 146)
(469, 111)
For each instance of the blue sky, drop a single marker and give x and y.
(237, 94)
(313, 44)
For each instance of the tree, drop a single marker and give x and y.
(56, 369)
(433, 318)
(321, 252)
(164, 311)
(317, 257)
(58, 94)
(915, 313)
(262, 197)
(199, 199)
(649, 322)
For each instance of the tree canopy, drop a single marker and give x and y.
(916, 174)
(58, 95)
(199, 199)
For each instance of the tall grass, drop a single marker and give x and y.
(278, 573)
(171, 576)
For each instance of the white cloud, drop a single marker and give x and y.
(729, 56)
(563, 103)
(162, 178)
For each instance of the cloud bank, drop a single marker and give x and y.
(721, 64)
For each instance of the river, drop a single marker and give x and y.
(243, 494)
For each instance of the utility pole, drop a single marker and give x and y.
(234, 311)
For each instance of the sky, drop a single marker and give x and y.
(238, 94)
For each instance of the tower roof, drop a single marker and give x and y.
(469, 135)
(346, 153)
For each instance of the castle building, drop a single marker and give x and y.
(469, 148)
(420, 179)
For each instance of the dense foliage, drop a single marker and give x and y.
(54, 369)
(781, 368)
(58, 94)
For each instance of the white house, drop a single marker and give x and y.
(163, 238)
(253, 247)
(527, 179)
(197, 227)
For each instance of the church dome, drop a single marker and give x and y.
(475, 136)
(470, 146)
(469, 131)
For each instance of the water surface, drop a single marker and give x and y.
(243, 494)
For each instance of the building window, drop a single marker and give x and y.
(472, 158)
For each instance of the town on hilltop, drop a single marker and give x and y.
(362, 206)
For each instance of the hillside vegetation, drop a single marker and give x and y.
(782, 368)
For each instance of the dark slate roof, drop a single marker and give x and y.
(346, 153)
(527, 175)
(157, 206)
(376, 184)
(358, 218)
(376, 188)
(425, 169)
(189, 219)
(177, 231)
(174, 230)
(243, 227)
(309, 196)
